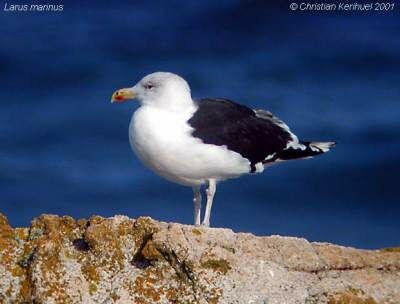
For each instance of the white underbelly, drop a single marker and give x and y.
(162, 141)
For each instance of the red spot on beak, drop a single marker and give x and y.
(118, 97)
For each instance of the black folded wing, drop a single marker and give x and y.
(256, 135)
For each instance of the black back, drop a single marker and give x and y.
(224, 122)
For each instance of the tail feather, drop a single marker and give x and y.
(305, 150)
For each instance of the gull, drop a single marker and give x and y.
(203, 142)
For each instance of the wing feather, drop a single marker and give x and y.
(256, 134)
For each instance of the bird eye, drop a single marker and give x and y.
(148, 86)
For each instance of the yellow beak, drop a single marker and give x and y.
(123, 95)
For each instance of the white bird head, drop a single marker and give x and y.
(160, 89)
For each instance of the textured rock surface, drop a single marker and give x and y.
(121, 260)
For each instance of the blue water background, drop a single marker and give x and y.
(332, 76)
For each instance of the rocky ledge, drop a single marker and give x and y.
(122, 260)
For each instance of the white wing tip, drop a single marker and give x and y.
(324, 146)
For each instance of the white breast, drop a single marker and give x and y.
(162, 140)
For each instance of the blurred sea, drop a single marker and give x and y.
(331, 76)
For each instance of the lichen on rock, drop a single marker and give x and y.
(122, 260)
(351, 296)
(220, 265)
